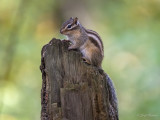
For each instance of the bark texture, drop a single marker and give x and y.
(73, 90)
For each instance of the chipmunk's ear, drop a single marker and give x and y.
(76, 21)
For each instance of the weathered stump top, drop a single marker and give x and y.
(72, 89)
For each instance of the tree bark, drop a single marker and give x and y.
(72, 89)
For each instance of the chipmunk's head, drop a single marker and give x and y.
(70, 27)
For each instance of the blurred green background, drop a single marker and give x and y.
(130, 30)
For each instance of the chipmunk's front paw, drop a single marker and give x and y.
(72, 47)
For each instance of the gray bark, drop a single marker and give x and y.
(73, 90)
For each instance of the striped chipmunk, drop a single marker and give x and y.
(87, 41)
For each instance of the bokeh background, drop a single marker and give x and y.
(130, 30)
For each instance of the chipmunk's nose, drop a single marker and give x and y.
(61, 31)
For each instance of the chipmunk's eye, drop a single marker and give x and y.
(69, 26)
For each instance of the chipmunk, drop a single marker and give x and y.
(87, 41)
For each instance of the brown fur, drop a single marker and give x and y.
(93, 53)
(90, 48)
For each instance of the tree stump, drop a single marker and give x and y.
(72, 89)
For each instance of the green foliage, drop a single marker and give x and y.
(129, 30)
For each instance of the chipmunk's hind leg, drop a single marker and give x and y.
(96, 59)
(86, 56)
(85, 60)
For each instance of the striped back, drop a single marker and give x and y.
(95, 36)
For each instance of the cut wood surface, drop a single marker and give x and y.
(72, 89)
